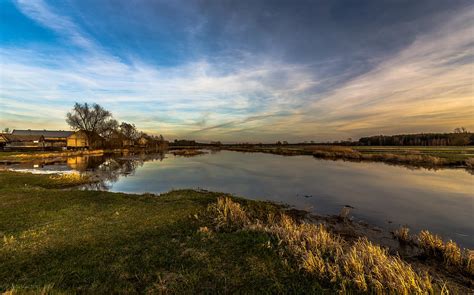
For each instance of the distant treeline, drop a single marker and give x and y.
(423, 139)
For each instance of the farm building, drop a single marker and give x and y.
(81, 139)
(52, 138)
(118, 140)
(21, 142)
(143, 141)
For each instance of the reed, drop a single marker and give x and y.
(451, 254)
(362, 266)
(402, 234)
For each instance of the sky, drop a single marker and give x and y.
(241, 71)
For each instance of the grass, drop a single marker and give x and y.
(361, 267)
(433, 246)
(449, 252)
(403, 234)
(187, 152)
(99, 242)
(54, 240)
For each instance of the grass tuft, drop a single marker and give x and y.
(229, 214)
(449, 252)
(431, 244)
(363, 266)
(402, 234)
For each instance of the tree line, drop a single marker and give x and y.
(97, 122)
(460, 137)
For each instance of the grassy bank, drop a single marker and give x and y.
(27, 156)
(57, 240)
(412, 156)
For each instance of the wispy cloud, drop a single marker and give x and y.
(427, 86)
(42, 13)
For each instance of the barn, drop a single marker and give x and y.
(52, 138)
(83, 140)
(21, 142)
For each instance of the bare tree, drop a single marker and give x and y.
(108, 128)
(460, 130)
(91, 118)
(129, 131)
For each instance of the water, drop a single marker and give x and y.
(441, 201)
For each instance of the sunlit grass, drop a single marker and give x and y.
(402, 234)
(362, 266)
(449, 252)
(433, 246)
(70, 179)
(74, 241)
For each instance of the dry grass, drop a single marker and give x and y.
(59, 154)
(74, 178)
(469, 163)
(229, 214)
(188, 152)
(469, 261)
(432, 244)
(402, 234)
(335, 152)
(370, 267)
(341, 152)
(362, 266)
(450, 252)
(412, 159)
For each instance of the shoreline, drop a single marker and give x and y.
(334, 153)
(37, 187)
(403, 156)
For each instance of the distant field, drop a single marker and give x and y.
(452, 153)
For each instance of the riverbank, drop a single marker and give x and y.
(58, 240)
(428, 157)
(21, 157)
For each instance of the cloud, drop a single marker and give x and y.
(424, 86)
(42, 13)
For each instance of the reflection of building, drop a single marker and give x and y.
(77, 163)
(10, 141)
(52, 138)
(78, 139)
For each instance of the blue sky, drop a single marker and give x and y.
(241, 70)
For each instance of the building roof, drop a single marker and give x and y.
(22, 138)
(45, 133)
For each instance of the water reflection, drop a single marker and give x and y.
(111, 168)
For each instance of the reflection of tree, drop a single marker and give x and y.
(111, 168)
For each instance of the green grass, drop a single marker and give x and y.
(100, 242)
(54, 239)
